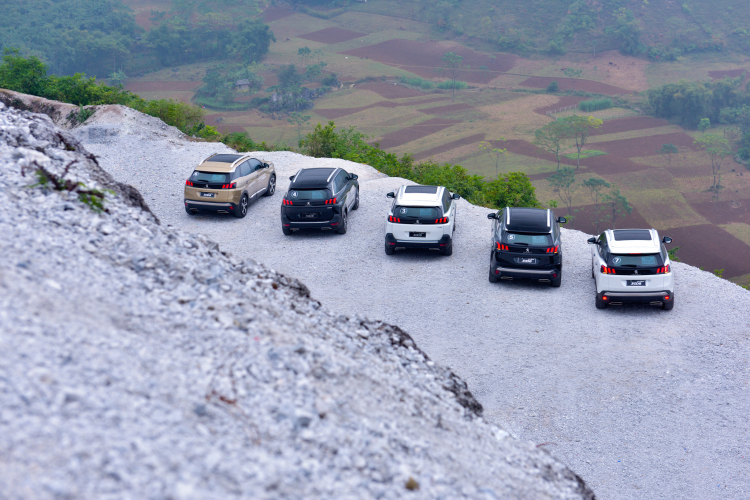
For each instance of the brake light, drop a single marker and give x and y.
(393, 219)
(188, 182)
(608, 270)
(443, 220)
(229, 186)
(663, 270)
(287, 202)
(331, 201)
(553, 249)
(502, 247)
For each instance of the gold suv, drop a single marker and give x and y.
(228, 183)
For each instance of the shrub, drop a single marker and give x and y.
(175, 113)
(553, 86)
(418, 82)
(595, 105)
(448, 85)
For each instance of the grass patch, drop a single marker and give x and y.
(595, 105)
(450, 84)
(664, 208)
(586, 153)
(739, 230)
(418, 82)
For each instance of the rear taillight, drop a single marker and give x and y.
(331, 201)
(287, 202)
(502, 247)
(663, 270)
(443, 220)
(229, 186)
(608, 270)
(188, 183)
(393, 219)
(553, 249)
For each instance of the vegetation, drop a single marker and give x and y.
(617, 205)
(452, 85)
(513, 189)
(452, 61)
(717, 148)
(578, 128)
(418, 82)
(496, 152)
(550, 138)
(595, 105)
(595, 186)
(562, 183)
(668, 150)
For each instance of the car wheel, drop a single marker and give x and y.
(286, 230)
(389, 249)
(600, 304)
(449, 249)
(190, 212)
(242, 208)
(271, 186)
(493, 276)
(356, 201)
(669, 304)
(344, 223)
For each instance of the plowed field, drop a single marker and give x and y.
(451, 108)
(332, 35)
(645, 146)
(391, 91)
(629, 124)
(415, 132)
(333, 113)
(542, 82)
(710, 247)
(448, 146)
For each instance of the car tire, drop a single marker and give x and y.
(344, 224)
(286, 230)
(600, 304)
(190, 212)
(389, 249)
(493, 276)
(556, 282)
(271, 188)
(356, 201)
(242, 207)
(668, 305)
(449, 249)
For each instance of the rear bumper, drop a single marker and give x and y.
(631, 297)
(211, 206)
(534, 274)
(332, 223)
(443, 242)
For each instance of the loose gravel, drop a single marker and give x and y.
(142, 362)
(641, 402)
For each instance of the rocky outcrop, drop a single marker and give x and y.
(143, 362)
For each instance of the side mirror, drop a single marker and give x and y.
(291, 177)
(493, 215)
(391, 195)
(266, 165)
(667, 240)
(455, 196)
(353, 177)
(592, 240)
(562, 220)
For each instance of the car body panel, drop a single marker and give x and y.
(315, 213)
(409, 235)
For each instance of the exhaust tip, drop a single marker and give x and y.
(506, 278)
(544, 281)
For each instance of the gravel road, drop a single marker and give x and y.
(642, 403)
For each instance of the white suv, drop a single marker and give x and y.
(421, 217)
(632, 265)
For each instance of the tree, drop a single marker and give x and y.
(595, 185)
(579, 128)
(298, 120)
(704, 124)
(562, 184)
(304, 54)
(717, 148)
(28, 76)
(118, 78)
(668, 150)
(550, 137)
(251, 41)
(553, 86)
(495, 151)
(617, 204)
(573, 73)
(452, 61)
(512, 190)
(289, 78)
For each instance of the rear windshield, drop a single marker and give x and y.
(636, 261)
(417, 212)
(210, 177)
(308, 194)
(527, 239)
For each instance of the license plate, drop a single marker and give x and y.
(412, 234)
(522, 260)
(310, 216)
(636, 282)
(208, 195)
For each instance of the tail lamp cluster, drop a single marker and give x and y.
(393, 219)
(188, 182)
(554, 249)
(287, 202)
(608, 270)
(442, 220)
(500, 246)
(223, 186)
(331, 201)
(663, 270)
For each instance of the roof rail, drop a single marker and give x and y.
(204, 161)
(507, 216)
(548, 211)
(334, 171)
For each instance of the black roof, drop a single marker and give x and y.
(532, 220)
(312, 178)
(632, 234)
(225, 158)
(421, 189)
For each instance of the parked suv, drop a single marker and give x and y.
(228, 183)
(526, 243)
(632, 265)
(421, 217)
(319, 198)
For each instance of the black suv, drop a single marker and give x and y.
(526, 244)
(319, 198)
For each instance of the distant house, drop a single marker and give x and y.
(242, 85)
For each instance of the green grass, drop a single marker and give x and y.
(449, 84)
(595, 105)
(586, 153)
(418, 82)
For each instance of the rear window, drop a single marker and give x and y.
(636, 261)
(632, 234)
(308, 194)
(417, 212)
(210, 177)
(527, 239)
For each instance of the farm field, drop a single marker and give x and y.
(504, 104)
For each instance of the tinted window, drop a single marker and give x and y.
(228, 158)
(446, 201)
(527, 239)
(211, 177)
(341, 180)
(308, 194)
(635, 261)
(254, 164)
(245, 169)
(421, 189)
(632, 234)
(417, 212)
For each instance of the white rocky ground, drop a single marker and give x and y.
(142, 362)
(642, 403)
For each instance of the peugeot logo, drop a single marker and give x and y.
(417, 222)
(528, 251)
(636, 272)
(308, 203)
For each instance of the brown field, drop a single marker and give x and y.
(449, 146)
(527, 149)
(333, 113)
(629, 124)
(732, 73)
(562, 102)
(415, 132)
(542, 82)
(584, 218)
(645, 146)
(274, 13)
(724, 212)
(161, 86)
(332, 35)
(710, 247)
(423, 59)
(451, 108)
(392, 91)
